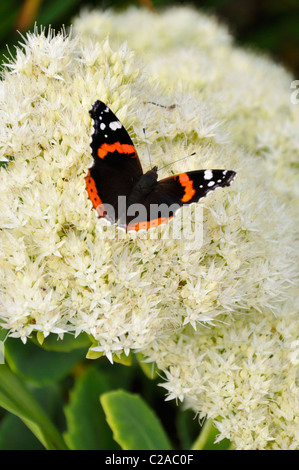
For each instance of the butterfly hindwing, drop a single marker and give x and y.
(174, 192)
(116, 166)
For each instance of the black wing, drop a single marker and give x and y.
(116, 165)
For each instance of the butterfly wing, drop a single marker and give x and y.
(191, 186)
(116, 166)
(174, 192)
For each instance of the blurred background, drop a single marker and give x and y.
(268, 25)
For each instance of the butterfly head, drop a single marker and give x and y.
(153, 173)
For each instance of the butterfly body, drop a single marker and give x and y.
(117, 186)
(143, 187)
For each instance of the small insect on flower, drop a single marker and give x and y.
(119, 189)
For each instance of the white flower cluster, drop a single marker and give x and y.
(219, 319)
(242, 371)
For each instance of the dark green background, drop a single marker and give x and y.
(270, 25)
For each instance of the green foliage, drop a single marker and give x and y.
(207, 437)
(16, 398)
(38, 365)
(68, 344)
(14, 434)
(87, 428)
(52, 397)
(134, 425)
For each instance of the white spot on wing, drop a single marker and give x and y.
(115, 125)
(102, 126)
(208, 174)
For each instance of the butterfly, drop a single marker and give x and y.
(118, 188)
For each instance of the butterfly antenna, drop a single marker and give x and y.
(148, 150)
(172, 106)
(162, 168)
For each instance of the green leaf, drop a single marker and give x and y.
(40, 337)
(93, 354)
(14, 435)
(207, 437)
(135, 426)
(187, 427)
(123, 359)
(87, 428)
(67, 344)
(54, 10)
(3, 334)
(41, 367)
(149, 368)
(16, 398)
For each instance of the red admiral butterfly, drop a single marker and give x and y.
(117, 186)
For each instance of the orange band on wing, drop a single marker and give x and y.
(93, 195)
(116, 147)
(188, 186)
(146, 225)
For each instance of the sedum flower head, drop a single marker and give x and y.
(241, 368)
(219, 316)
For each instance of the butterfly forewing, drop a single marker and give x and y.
(116, 166)
(191, 186)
